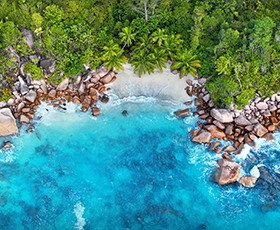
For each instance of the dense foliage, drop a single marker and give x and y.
(237, 41)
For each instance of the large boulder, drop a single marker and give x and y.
(262, 106)
(213, 145)
(102, 71)
(63, 85)
(222, 115)
(23, 86)
(107, 78)
(229, 148)
(86, 103)
(8, 125)
(31, 96)
(29, 38)
(242, 121)
(44, 86)
(48, 65)
(215, 132)
(202, 136)
(228, 171)
(260, 130)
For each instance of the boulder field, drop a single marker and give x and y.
(259, 119)
(88, 88)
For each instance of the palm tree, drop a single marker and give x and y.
(142, 62)
(145, 44)
(186, 63)
(159, 58)
(127, 36)
(171, 45)
(159, 36)
(112, 56)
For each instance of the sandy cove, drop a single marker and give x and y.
(92, 86)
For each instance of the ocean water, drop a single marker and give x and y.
(139, 171)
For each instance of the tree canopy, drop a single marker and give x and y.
(236, 41)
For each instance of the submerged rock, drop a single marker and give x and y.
(7, 144)
(269, 205)
(228, 171)
(125, 113)
(8, 125)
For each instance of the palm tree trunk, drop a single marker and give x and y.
(124, 45)
(146, 12)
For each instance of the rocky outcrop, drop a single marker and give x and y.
(228, 171)
(222, 115)
(8, 125)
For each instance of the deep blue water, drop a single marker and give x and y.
(135, 172)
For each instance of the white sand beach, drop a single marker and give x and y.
(165, 85)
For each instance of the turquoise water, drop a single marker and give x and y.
(139, 171)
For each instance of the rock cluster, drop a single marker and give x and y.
(259, 119)
(88, 88)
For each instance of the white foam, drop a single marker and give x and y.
(79, 211)
(255, 172)
(244, 153)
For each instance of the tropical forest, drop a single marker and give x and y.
(234, 43)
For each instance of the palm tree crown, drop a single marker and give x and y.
(159, 36)
(127, 36)
(112, 56)
(186, 63)
(172, 45)
(142, 62)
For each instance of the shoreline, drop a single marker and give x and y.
(101, 85)
(89, 88)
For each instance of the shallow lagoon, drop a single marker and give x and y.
(135, 172)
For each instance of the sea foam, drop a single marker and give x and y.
(79, 211)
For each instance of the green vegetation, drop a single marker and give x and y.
(238, 42)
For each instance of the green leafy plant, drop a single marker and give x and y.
(6, 94)
(35, 71)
